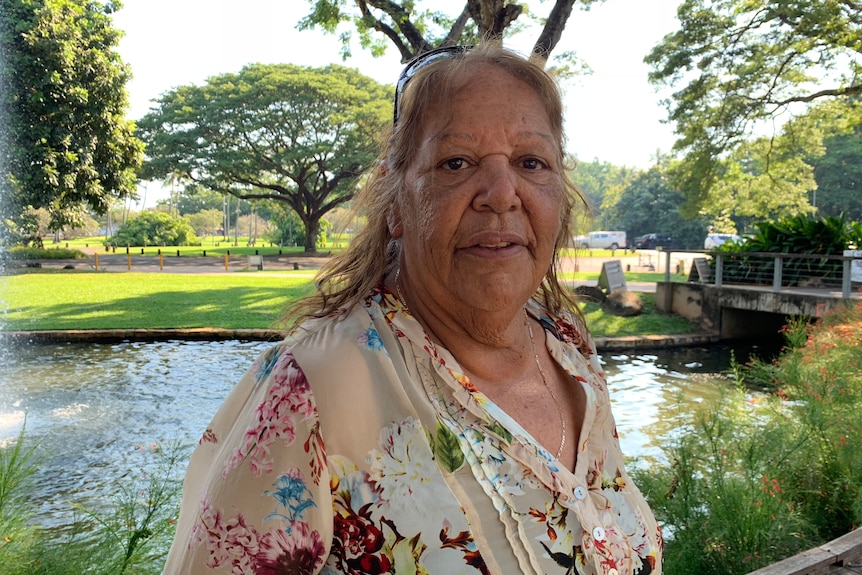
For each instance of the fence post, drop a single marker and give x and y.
(667, 266)
(719, 269)
(776, 276)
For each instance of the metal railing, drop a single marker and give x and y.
(780, 271)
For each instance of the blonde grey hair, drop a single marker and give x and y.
(347, 278)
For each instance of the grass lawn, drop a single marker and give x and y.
(69, 299)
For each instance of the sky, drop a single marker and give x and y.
(612, 115)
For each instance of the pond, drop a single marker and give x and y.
(95, 409)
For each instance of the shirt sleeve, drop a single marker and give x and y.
(256, 496)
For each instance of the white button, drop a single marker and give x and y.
(580, 492)
(599, 534)
(613, 572)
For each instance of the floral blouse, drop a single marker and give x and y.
(357, 446)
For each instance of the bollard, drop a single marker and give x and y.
(178, 253)
(161, 261)
(205, 253)
(628, 267)
(226, 256)
(295, 266)
(97, 261)
(142, 251)
(256, 253)
(129, 258)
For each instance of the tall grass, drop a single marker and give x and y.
(772, 467)
(131, 537)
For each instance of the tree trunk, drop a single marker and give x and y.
(312, 227)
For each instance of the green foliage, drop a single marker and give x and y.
(18, 537)
(63, 102)
(740, 67)
(134, 534)
(289, 229)
(756, 477)
(26, 253)
(648, 204)
(131, 536)
(281, 132)
(839, 177)
(793, 235)
(154, 229)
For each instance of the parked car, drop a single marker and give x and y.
(601, 240)
(653, 241)
(712, 241)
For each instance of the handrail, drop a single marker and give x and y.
(754, 268)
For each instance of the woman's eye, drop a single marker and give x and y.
(533, 164)
(454, 164)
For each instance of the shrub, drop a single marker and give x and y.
(154, 229)
(34, 253)
(758, 476)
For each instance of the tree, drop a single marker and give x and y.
(294, 134)
(154, 229)
(206, 222)
(650, 204)
(839, 177)
(602, 183)
(742, 66)
(63, 101)
(413, 28)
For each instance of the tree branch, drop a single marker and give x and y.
(843, 92)
(553, 30)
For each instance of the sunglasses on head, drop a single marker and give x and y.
(417, 64)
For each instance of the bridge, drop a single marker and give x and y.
(744, 295)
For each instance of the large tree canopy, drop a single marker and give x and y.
(63, 102)
(743, 67)
(294, 134)
(414, 28)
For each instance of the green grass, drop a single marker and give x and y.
(210, 246)
(69, 299)
(90, 300)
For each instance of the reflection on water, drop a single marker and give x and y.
(92, 407)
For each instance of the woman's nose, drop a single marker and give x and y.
(496, 185)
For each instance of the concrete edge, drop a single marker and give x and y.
(213, 333)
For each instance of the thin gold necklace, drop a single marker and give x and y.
(548, 387)
(400, 297)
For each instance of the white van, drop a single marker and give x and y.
(601, 240)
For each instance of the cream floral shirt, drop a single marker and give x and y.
(356, 446)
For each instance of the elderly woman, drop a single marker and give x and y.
(439, 408)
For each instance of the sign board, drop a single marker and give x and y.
(700, 271)
(612, 277)
(256, 261)
(855, 265)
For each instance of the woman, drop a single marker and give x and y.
(437, 409)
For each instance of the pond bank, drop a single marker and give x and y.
(209, 333)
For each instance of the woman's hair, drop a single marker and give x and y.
(347, 278)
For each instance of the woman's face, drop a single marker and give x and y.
(480, 211)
